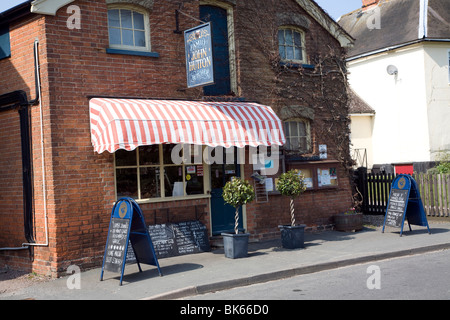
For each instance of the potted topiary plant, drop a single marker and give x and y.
(236, 193)
(292, 185)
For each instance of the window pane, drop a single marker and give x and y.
(298, 54)
(286, 129)
(139, 38)
(303, 144)
(288, 144)
(301, 129)
(173, 181)
(113, 18)
(114, 36)
(293, 129)
(127, 37)
(289, 53)
(125, 16)
(281, 37)
(126, 181)
(196, 153)
(125, 158)
(295, 144)
(167, 153)
(138, 19)
(150, 183)
(149, 155)
(297, 39)
(288, 37)
(282, 52)
(194, 181)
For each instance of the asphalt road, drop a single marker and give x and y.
(418, 277)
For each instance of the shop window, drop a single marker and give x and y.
(297, 133)
(291, 45)
(149, 173)
(129, 28)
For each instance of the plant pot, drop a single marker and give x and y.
(235, 245)
(293, 237)
(348, 222)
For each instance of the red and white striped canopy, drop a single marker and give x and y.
(130, 123)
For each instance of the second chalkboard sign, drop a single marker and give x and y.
(175, 239)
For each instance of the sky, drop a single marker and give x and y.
(8, 4)
(335, 8)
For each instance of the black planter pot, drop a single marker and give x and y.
(235, 245)
(293, 237)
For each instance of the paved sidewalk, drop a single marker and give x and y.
(211, 271)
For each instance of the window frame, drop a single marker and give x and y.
(146, 16)
(288, 135)
(303, 44)
(162, 181)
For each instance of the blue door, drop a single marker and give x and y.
(222, 214)
(221, 54)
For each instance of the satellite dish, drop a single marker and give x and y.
(391, 70)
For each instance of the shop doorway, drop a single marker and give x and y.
(222, 214)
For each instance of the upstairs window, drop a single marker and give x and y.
(5, 45)
(129, 28)
(291, 45)
(298, 138)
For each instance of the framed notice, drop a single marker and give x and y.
(199, 57)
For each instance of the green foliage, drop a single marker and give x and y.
(443, 163)
(238, 192)
(291, 184)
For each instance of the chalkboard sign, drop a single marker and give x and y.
(396, 208)
(405, 202)
(175, 239)
(128, 239)
(117, 244)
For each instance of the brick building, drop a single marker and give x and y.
(60, 60)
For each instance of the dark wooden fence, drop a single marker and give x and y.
(375, 189)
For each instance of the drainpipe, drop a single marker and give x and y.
(19, 100)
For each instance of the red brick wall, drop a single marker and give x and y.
(18, 74)
(79, 182)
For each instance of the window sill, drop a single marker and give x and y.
(296, 65)
(133, 53)
(170, 199)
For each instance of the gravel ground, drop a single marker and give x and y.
(12, 280)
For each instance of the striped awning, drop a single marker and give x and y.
(130, 123)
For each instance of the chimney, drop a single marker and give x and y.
(366, 4)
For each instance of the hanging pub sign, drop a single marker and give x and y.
(127, 228)
(405, 202)
(199, 56)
